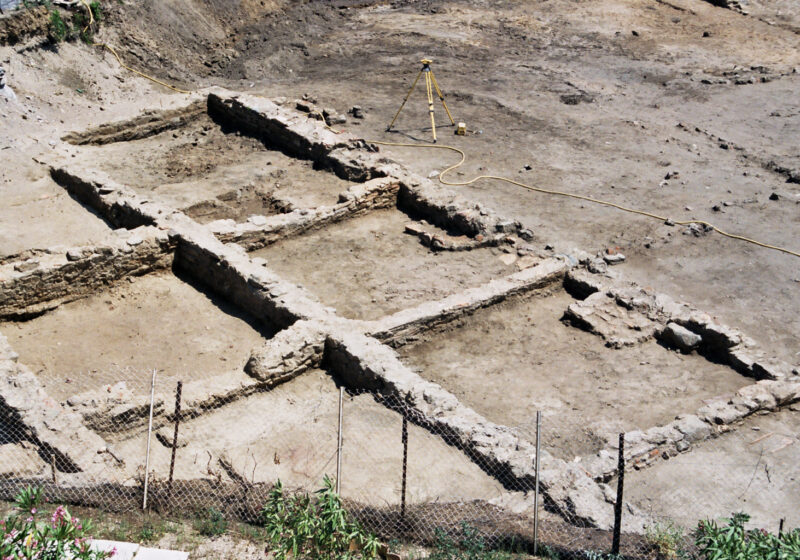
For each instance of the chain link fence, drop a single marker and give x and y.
(404, 480)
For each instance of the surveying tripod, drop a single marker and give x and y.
(430, 85)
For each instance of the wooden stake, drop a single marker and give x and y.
(536, 489)
(618, 503)
(405, 468)
(53, 463)
(178, 391)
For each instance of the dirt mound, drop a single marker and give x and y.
(20, 25)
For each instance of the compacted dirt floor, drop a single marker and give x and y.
(676, 107)
(135, 327)
(290, 433)
(212, 173)
(518, 357)
(752, 469)
(368, 267)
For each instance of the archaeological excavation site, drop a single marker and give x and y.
(222, 275)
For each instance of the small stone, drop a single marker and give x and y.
(257, 220)
(669, 222)
(27, 265)
(671, 175)
(414, 229)
(615, 258)
(357, 112)
(716, 208)
(706, 34)
(526, 234)
(507, 258)
(598, 266)
(74, 255)
(682, 446)
(774, 196)
(134, 240)
(681, 337)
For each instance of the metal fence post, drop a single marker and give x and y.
(55, 471)
(536, 490)
(149, 433)
(405, 469)
(178, 391)
(339, 445)
(618, 504)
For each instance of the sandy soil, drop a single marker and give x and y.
(290, 433)
(123, 334)
(213, 173)
(566, 89)
(752, 469)
(588, 94)
(511, 360)
(355, 266)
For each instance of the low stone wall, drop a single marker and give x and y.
(291, 131)
(656, 313)
(363, 362)
(42, 281)
(625, 313)
(145, 125)
(59, 434)
(261, 231)
(396, 329)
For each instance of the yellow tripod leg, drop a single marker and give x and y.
(430, 104)
(439, 91)
(403, 104)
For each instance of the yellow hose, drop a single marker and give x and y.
(479, 177)
(114, 52)
(142, 74)
(575, 196)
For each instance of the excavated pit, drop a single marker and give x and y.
(158, 321)
(367, 267)
(512, 359)
(213, 172)
(290, 433)
(759, 460)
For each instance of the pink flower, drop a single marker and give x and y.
(58, 515)
(114, 551)
(33, 511)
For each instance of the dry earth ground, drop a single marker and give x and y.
(600, 98)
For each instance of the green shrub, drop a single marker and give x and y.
(213, 524)
(467, 545)
(666, 539)
(732, 542)
(57, 29)
(318, 527)
(82, 28)
(24, 536)
(97, 11)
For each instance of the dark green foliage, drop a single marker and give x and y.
(732, 542)
(213, 524)
(318, 527)
(97, 11)
(466, 545)
(57, 29)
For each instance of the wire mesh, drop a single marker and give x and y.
(403, 477)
